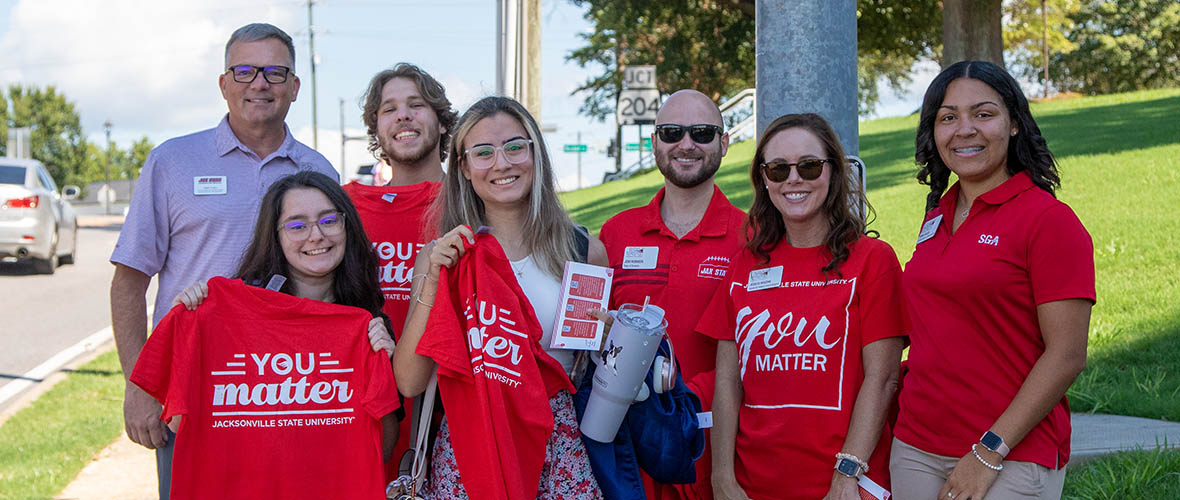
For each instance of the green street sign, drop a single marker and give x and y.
(634, 146)
(574, 148)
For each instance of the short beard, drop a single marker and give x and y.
(687, 180)
(393, 157)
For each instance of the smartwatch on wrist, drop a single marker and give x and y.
(848, 467)
(994, 442)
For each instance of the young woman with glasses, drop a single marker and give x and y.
(999, 288)
(809, 325)
(499, 175)
(308, 231)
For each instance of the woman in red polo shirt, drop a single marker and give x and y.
(999, 291)
(809, 327)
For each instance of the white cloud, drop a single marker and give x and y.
(145, 65)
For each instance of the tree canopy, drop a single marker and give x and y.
(708, 45)
(57, 137)
(1121, 46)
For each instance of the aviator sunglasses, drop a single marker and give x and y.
(671, 133)
(780, 170)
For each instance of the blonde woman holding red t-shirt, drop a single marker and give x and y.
(499, 175)
(999, 289)
(809, 328)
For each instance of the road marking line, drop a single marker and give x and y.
(38, 374)
(53, 364)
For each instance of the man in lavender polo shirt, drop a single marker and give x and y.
(193, 211)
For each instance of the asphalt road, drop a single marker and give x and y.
(41, 315)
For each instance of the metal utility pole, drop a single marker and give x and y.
(579, 160)
(797, 45)
(315, 130)
(106, 195)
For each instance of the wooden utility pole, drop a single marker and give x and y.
(972, 31)
(315, 130)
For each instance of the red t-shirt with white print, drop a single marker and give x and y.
(799, 342)
(394, 220)
(280, 396)
(494, 378)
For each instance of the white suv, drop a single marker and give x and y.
(35, 221)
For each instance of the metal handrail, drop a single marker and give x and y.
(742, 128)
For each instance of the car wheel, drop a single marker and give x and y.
(49, 264)
(69, 258)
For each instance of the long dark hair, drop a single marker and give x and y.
(846, 225)
(1027, 150)
(354, 282)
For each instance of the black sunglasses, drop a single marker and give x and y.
(780, 170)
(671, 133)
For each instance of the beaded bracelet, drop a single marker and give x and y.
(864, 467)
(979, 457)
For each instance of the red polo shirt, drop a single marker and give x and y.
(972, 298)
(680, 277)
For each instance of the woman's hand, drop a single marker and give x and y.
(192, 296)
(843, 488)
(607, 320)
(970, 479)
(448, 249)
(379, 337)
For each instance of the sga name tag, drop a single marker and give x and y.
(209, 184)
(640, 257)
(929, 229)
(762, 279)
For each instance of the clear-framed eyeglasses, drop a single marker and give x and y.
(515, 151)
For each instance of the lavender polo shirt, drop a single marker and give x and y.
(186, 237)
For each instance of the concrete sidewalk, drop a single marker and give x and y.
(125, 470)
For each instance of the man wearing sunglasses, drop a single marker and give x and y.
(194, 207)
(676, 249)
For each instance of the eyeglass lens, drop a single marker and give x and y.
(330, 225)
(484, 156)
(701, 134)
(245, 73)
(779, 170)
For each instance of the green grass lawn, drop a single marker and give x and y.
(1120, 169)
(45, 445)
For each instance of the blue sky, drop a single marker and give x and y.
(151, 66)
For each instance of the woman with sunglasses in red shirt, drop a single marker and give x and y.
(809, 326)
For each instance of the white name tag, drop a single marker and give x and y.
(705, 420)
(929, 229)
(640, 257)
(762, 279)
(209, 184)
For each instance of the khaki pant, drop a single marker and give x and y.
(917, 475)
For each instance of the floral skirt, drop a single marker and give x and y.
(566, 474)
